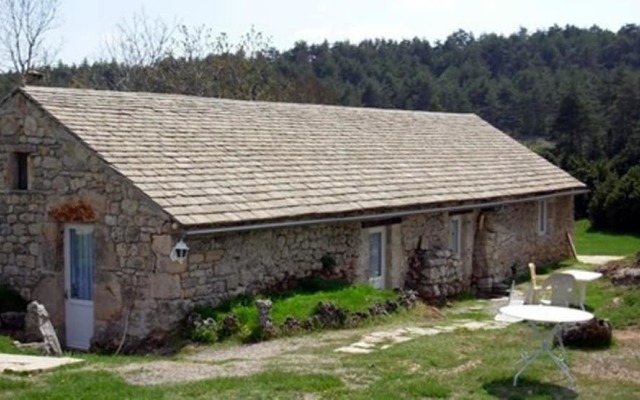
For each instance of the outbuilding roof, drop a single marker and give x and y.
(210, 161)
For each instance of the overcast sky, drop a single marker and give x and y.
(86, 24)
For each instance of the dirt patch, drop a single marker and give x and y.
(615, 364)
(237, 360)
(270, 349)
(628, 336)
(162, 372)
(457, 370)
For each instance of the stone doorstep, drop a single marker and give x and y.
(21, 363)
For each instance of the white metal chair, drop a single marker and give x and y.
(534, 277)
(515, 298)
(557, 290)
(534, 290)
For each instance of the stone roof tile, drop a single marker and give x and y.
(212, 161)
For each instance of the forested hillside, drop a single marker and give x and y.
(571, 94)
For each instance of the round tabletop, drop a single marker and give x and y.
(581, 275)
(542, 313)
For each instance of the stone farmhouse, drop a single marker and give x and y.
(101, 194)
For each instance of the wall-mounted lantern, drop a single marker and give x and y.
(179, 252)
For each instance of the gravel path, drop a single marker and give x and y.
(240, 360)
(598, 260)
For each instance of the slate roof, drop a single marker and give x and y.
(211, 161)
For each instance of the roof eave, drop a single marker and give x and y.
(372, 215)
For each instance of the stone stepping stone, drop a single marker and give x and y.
(369, 342)
(363, 344)
(424, 331)
(353, 350)
(21, 363)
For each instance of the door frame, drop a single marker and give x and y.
(67, 283)
(383, 256)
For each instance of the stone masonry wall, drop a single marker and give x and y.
(429, 266)
(436, 274)
(230, 264)
(69, 184)
(508, 237)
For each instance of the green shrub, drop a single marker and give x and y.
(204, 334)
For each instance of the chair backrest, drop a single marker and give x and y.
(534, 277)
(515, 297)
(561, 286)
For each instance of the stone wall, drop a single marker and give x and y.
(428, 264)
(226, 265)
(68, 184)
(436, 274)
(507, 237)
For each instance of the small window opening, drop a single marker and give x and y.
(455, 231)
(22, 171)
(542, 217)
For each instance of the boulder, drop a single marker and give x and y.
(626, 276)
(264, 313)
(230, 326)
(594, 333)
(330, 315)
(38, 327)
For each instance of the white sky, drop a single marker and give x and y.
(85, 24)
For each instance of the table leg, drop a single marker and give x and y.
(582, 290)
(546, 346)
(527, 360)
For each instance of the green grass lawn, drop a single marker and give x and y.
(594, 242)
(458, 365)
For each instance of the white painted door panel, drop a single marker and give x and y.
(79, 265)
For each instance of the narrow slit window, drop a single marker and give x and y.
(455, 231)
(542, 217)
(22, 171)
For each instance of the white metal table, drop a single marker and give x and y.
(582, 278)
(546, 314)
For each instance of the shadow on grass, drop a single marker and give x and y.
(527, 388)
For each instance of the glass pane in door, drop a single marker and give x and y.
(375, 254)
(81, 264)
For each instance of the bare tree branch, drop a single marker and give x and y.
(141, 41)
(23, 28)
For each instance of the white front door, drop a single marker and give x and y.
(377, 255)
(78, 266)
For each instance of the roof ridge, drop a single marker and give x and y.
(31, 88)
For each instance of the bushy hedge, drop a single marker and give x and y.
(615, 204)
